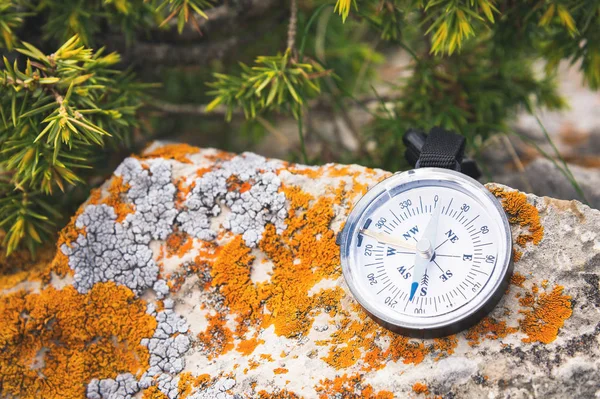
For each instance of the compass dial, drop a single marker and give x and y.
(427, 252)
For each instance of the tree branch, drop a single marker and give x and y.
(291, 40)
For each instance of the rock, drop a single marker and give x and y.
(574, 132)
(202, 274)
(542, 177)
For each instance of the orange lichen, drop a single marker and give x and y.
(153, 393)
(342, 357)
(488, 328)
(419, 387)
(303, 255)
(281, 394)
(231, 275)
(522, 213)
(517, 255)
(517, 279)
(280, 370)
(183, 190)
(178, 244)
(267, 357)
(178, 152)
(218, 338)
(527, 300)
(186, 384)
(349, 387)
(547, 314)
(72, 338)
(116, 189)
(246, 347)
(445, 346)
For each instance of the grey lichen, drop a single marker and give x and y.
(109, 252)
(153, 194)
(120, 252)
(251, 209)
(122, 387)
(167, 348)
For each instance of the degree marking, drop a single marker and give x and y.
(479, 271)
(392, 212)
(472, 220)
(374, 263)
(450, 204)
(390, 283)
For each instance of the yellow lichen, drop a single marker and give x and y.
(281, 394)
(53, 343)
(178, 152)
(517, 279)
(488, 328)
(178, 244)
(115, 199)
(349, 387)
(522, 213)
(153, 393)
(445, 346)
(280, 370)
(187, 383)
(246, 347)
(218, 338)
(517, 255)
(546, 315)
(419, 388)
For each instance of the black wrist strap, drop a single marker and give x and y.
(440, 149)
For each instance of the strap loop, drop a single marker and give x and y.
(442, 149)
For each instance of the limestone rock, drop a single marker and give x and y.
(201, 274)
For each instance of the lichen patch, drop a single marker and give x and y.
(83, 336)
(545, 314)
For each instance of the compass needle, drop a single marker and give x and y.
(425, 251)
(387, 239)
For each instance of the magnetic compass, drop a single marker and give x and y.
(428, 252)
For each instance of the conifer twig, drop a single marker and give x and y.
(291, 40)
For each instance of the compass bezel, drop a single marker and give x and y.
(490, 295)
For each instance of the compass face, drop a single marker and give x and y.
(427, 252)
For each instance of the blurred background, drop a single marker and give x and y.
(85, 83)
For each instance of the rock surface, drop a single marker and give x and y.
(200, 274)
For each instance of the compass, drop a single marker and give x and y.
(427, 252)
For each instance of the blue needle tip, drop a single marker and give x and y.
(413, 290)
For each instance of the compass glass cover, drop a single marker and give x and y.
(469, 241)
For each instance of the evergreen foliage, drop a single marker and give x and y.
(473, 66)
